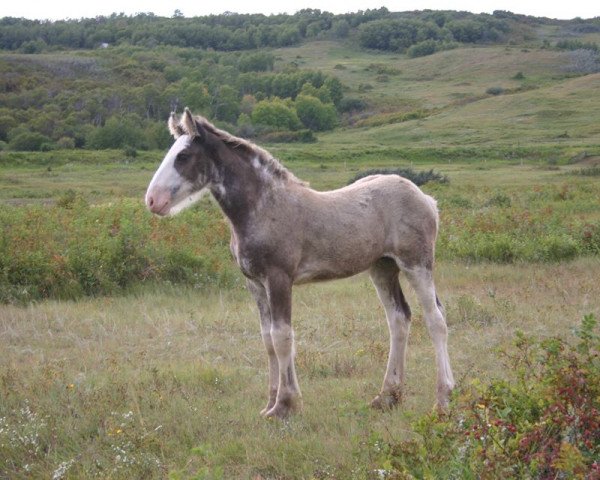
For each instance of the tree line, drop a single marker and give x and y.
(120, 97)
(377, 28)
(227, 32)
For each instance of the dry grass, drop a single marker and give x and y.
(171, 381)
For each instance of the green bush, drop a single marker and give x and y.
(418, 178)
(299, 136)
(542, 421)
(275, 113)
(116, 133)
(73, 249)
(495, 91)
(350, 104)
(29, 142)
(314, 114)
(422, 49)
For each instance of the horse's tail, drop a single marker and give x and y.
(433, 204)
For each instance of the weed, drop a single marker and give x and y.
(542, 422)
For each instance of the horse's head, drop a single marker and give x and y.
(183, 175)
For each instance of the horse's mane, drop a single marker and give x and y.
(269, 163)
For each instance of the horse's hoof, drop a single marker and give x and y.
(387, 400)
(283, 409)
(441, 408)
(269, 406)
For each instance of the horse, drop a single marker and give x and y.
(285, 233)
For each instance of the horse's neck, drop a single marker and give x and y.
(238, 190)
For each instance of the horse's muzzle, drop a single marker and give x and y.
(158, 201)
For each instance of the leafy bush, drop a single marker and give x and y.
(116, 133)
(351, 104)
(29, 142)
(275, 113)
(498, 200)
(73, 249)
(418, 178)
(575, 44)
(314, 114)
(543, 421)
(300, 136)
(422, 49)
(495, 91)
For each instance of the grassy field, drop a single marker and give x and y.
(145, 360)
(172, 380)
(167, 380)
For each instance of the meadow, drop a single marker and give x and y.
(161, 373)
(129, 347)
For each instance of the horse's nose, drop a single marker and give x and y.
(158, 202)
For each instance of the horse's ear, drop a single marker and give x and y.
(191, 127)
(174, 126)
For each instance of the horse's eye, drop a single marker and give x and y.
(182, 157)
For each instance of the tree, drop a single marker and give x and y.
(116, 133)
(225, 104)
(340, 28)
(315, 114)
(275, 113)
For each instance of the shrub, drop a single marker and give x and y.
(589, 171)
(351, 104)
(422, 49)
(275, 113)
(542, 421)
(116, 133)
(29, 142)
(130, 152)
(498, 200)
(495, 91)
(300, 136)
(418, 178)
(66, 143)
(314, 114)
(73, 249)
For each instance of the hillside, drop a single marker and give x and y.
(430, 79)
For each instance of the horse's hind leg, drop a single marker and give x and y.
(384, 274)
(421, 279)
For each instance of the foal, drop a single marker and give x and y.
(284, 233)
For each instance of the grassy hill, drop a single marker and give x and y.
(517, 89)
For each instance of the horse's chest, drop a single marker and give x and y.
(248, 258)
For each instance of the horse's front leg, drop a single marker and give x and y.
(260, 296)
(279, 293)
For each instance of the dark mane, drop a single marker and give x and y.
(266, 160)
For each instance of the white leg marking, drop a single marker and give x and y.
(288, 391)
(422, 281)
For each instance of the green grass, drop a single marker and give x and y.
(170, 381)
(163, 376)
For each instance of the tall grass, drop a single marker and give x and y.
(75, 249)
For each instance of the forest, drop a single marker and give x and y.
(110, 82)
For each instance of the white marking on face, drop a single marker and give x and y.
(166, 177)
(167, 183)
(188, 201)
